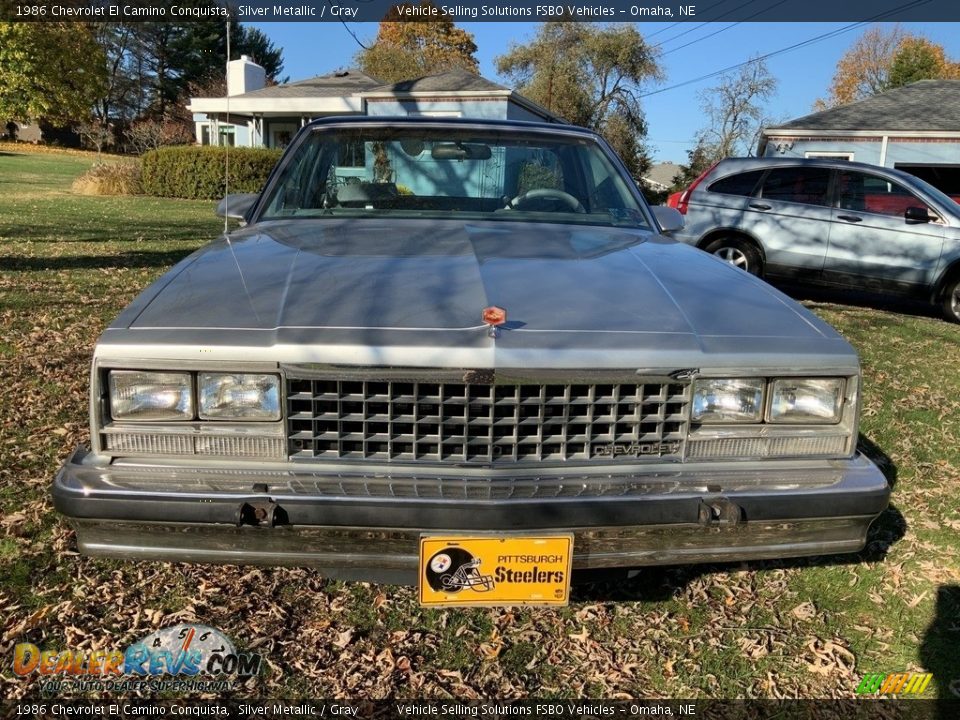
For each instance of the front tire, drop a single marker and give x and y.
(951, 300)
(737, 252)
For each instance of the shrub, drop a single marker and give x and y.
(197, 172)
(147, 135)
(121, 178)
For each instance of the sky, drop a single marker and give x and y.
(688, 51)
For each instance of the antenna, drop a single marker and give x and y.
(226, 152)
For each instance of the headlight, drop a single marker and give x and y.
(806, 400)
(239, 396)
(728, 400)
(136, 395)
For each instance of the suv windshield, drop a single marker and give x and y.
(453, 172)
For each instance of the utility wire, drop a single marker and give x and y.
(789, 48)
(723, 29)
(699, 26)
(680, 22)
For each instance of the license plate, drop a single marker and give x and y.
(495, 570)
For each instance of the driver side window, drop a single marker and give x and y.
(862, 192)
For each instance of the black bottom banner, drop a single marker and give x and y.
(492, 709)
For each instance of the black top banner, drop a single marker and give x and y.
(481, 10)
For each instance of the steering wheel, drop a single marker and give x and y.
(535, 197)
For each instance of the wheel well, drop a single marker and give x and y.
(714, 234)
(949, 275)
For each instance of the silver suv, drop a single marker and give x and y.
(830, 222)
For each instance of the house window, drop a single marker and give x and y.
(228, 135)
(817, 155)
(205, 134)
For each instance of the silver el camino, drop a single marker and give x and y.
(464, 328)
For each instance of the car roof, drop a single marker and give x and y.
(475, 123)
(730, 165)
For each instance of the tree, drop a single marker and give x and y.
(590, 75)
(734, 109)
(884, 59)
(49, 70)
(916, 59)
(409, 49)
(146, 135)
(864, 70)
(202, 51)
(94, 134)
(152, 67)
(699, 160)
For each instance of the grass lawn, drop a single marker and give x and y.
(802, 628)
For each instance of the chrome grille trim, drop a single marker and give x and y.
(444, 422)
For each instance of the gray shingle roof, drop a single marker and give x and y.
(924, 105)
(452, 81)
(663, 173)
(344, 82)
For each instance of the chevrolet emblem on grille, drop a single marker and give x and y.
(635, 449)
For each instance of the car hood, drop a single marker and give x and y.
(574, 295)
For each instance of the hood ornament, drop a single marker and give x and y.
(493, 317)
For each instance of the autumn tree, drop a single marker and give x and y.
(916, 58)
(410, 49)
(50, 70)
(590, 75)
(734, 108)
(882, 59)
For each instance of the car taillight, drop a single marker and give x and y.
(684, 199)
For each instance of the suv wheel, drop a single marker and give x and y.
(951, 301)
(738, 253)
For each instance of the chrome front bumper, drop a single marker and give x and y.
(368, 528)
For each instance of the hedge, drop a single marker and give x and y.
(197, 172)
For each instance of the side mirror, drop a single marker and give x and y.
(669, 218)
(916, 215)
(236, 205)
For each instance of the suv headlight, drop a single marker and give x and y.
(239, 396)
(728, 400)
(150, 396)
(805, 401)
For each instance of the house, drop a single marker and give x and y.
(256, 115)
(915, 128)
(660, 176)
(22, 131)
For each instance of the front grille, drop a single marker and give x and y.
(451, 422)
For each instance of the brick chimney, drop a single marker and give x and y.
(244, 76)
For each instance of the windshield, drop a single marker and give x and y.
(453, 173)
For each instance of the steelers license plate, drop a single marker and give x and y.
(492, 570)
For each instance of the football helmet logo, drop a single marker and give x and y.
(454, 569)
